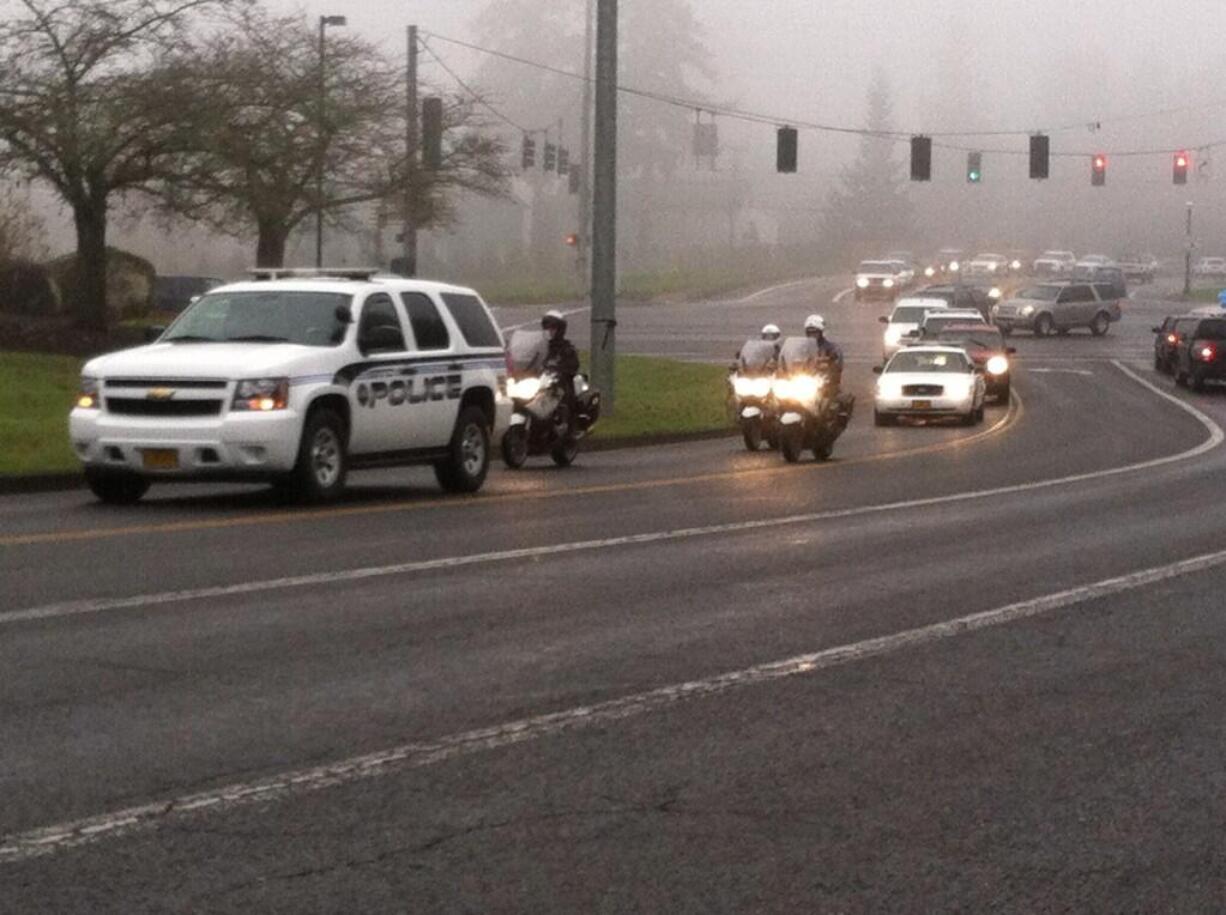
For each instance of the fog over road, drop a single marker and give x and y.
(679, 678)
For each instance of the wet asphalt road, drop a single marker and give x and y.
(1059, 754)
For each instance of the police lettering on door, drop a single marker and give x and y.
(414, 389)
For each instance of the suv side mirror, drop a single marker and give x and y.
(878, 369)
(1156, 330)
(883, 320)
(153, 332)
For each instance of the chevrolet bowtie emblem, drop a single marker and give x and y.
(160, 394)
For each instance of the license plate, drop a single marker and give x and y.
(921, 404)
(160, 459)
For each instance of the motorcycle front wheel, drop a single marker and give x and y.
(751, 432)
(791, 443)
(515, 447)
(565, 452)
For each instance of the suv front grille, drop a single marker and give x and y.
(135, 406)
(207, 384)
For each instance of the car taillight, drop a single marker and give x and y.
(1206, 352)
(1172, 339)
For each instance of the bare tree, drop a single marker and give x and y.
(82, 108)
(265, 134)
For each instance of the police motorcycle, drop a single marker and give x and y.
(751, 379)
(540, 423)
(812, 412)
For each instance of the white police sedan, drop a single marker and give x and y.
(930, 382)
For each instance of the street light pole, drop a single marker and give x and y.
(604, 207)
(324, 22)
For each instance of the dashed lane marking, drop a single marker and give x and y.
(286, 785)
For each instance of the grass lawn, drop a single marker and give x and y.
(36, 393)
(654, 397)
(1205, 295)
(663, 396)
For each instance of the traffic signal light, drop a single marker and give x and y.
(1098, 170)
(787, 141)
(572, 240)
(974, 167)
(529, 157)
(921, 158)
(1040, 152)
(563, 160)
(551, 157)
(1180, 175)
(432, 133)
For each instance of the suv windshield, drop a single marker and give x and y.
(913, 361)
(266, 316)
(878, 267)
(914, 314)
(1040, 293)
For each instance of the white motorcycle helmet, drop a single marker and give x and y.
(771, 332)
(815, 324)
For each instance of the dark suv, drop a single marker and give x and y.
(1199, 350)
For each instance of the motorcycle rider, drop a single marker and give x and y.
(815, 328)
(563, 359)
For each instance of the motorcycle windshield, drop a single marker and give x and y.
(798, 354)
(756, 357)
(528, 349)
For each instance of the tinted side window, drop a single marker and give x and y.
(428, 326)
(379, 311)
(1214, 329)
(474, 321)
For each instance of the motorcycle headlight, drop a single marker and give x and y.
(997, 365)
(261, 395)
(862, 282)
(798, 388)
(760, 387)
(527, 388)
(88, 397)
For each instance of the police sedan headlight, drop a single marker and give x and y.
(893, 334)
(88, 397)
(261, 395)
(997, 365)
(524, 388)
(930, 272)
(889, 388)
(862, 282)
(994, 292)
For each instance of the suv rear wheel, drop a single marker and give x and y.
(1099, 325)
(468, 461)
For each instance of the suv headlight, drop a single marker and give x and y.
(1027, 311)
(997, 365)
(862, 282)
(261, 395)
(888, 283)
(88, 397)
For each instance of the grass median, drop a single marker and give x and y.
(654, 397)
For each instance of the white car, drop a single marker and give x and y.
(1210, 266)
(879, 279)
(295, 378)
(929, 381)
(1055, 263)
(904, 322)
(989, 265)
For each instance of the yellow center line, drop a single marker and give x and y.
(291, 517)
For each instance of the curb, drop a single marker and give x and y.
(30, 483)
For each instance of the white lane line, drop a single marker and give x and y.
(842, 295)
(762, 293)
(1042, 371)
(165, 598)
(62, 836)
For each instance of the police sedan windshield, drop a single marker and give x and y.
(919, 361)
(271, 316)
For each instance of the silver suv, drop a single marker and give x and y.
(1048, 308)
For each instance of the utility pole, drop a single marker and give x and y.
(585, 155)
(604, 206)
(1187, 255)
(324, 22)
(411, 143)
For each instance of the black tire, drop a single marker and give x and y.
(822, 450)
(565, 452)
(884, 419)
(323, 459)
(1196, 380)
(751, 432)
(468, 461)
(979, 415)
(1159, 364)
(1044, 326)
(116, 487)
(1101, 324)
(1181, 380)
(515, 447)
(1005, 330)
(791, 443)
(1003, 393)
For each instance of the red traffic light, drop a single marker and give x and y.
(1098, 170)
(1180, 173)
(572, 240)
(1181, 159)
(1100, 162)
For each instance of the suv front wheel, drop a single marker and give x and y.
(323, 462)
(468, 459)
(115, 487)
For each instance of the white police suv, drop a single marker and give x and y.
(296, 378)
